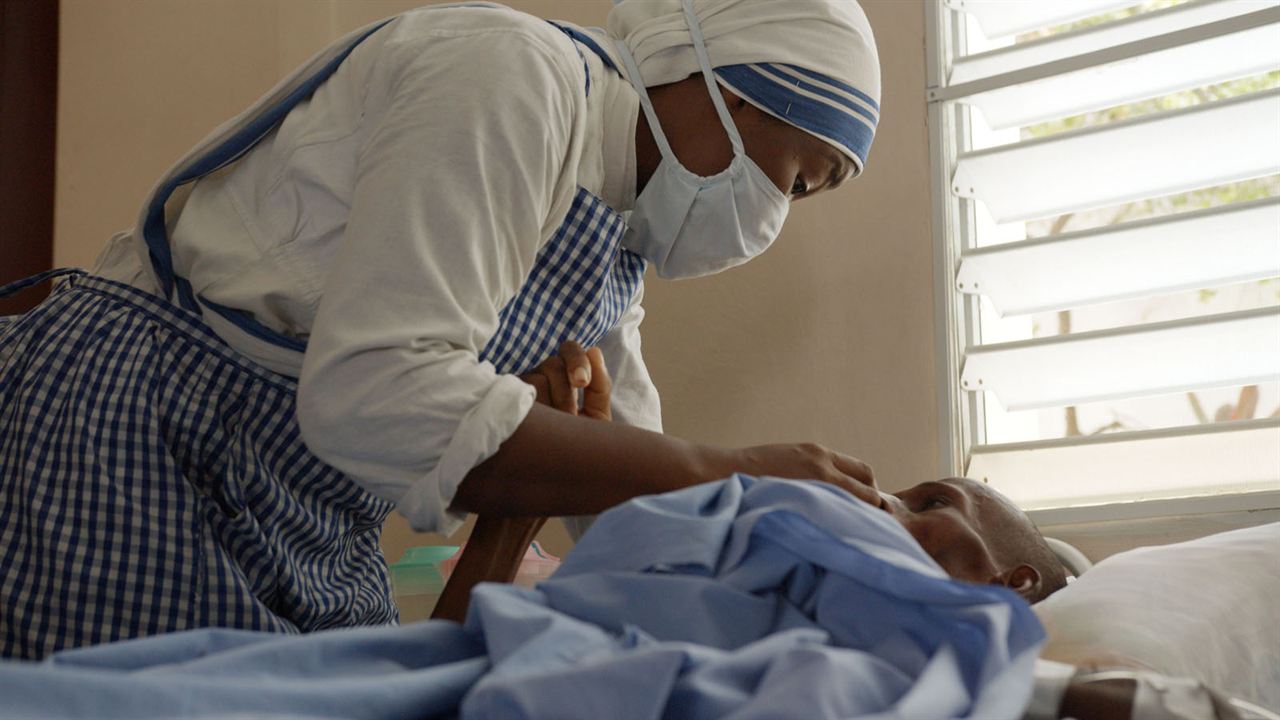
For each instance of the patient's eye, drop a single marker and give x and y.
(799, 187)
(936, 501)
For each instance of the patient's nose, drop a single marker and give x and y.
(892, 505)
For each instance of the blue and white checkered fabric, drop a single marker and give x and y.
(152, 479)
(581, 284)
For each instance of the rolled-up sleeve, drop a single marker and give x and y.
(457, 185)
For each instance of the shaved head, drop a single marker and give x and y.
(978, 535)
(1015, 540)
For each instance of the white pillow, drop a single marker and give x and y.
(1207, 609)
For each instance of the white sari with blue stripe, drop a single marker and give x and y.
(152, 479)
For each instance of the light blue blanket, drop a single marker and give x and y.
(746, 598)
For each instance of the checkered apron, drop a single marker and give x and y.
(152, 479)
(582, 281)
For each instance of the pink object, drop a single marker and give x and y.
(537, 565)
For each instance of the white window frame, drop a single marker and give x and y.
(961, 426)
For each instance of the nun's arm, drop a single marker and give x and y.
(497, 545)
(453, 195)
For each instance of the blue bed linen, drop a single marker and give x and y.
(752, 598)
(747, 598)
(420, 670)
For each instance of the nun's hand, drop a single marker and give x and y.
(807, 461)
(574, 373)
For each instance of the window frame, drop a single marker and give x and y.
(962, 426)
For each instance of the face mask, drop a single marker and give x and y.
(687, 225)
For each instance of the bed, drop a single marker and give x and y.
(1200, 610)
(745, 598)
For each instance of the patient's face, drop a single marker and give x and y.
(955, 520)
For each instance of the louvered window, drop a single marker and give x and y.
(1107, 228)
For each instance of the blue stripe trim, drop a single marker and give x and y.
(153, 230)
(18, 286)
(586, 70)
(591, 44)
(770, 71)
(254, 328)
(845, 129)
(516, 346)
(819, 77)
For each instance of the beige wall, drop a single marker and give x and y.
(827, 338)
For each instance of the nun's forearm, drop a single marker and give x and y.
(559, 464)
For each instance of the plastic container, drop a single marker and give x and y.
(537, 565)
(416, 580)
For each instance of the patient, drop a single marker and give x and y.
(973, 532)
(978, 535)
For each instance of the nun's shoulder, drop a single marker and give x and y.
(486, 22)
(490, 34)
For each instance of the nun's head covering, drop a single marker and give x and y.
(810, 63)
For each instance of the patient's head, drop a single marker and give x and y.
(978, 535)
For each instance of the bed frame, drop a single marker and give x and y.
(492, 554)
(1071, 558)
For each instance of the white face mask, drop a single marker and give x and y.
(687, 225)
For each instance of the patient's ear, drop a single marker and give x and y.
(1023, 579)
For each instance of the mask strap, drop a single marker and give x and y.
(704, 62)
(659, 137)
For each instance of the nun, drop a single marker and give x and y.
(350, 298)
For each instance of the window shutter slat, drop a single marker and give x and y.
(1237, 348)
(1218, 459)
(1059, 47)
(1155, 155)
(1002, 17)
(1219, 246)
(1221, 57)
